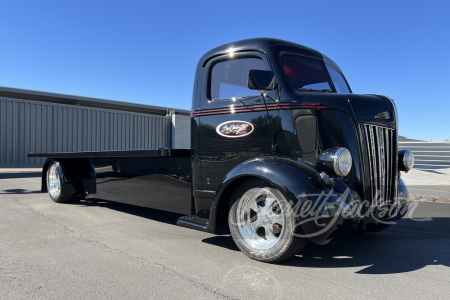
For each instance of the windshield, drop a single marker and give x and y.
(305, 72)
(338, 80)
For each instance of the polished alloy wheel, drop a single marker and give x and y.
(260, 218)
(54, 181)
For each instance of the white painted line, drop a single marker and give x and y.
(424, 143)
(432, 155)
(420, 151)
(432, 165)
(433, 160)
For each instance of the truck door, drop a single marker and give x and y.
(233, 121)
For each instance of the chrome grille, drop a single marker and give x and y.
(380, 145)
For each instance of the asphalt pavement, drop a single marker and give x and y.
(116, 251)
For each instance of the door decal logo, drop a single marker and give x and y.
(235, 129)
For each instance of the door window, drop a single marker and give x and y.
(229, 78)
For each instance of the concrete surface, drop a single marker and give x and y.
(433, 182)
(109, 250)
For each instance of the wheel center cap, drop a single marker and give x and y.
(264, 219)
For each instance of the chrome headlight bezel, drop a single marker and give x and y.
(335, 162)
(405, 160)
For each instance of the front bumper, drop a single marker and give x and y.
(339, 218)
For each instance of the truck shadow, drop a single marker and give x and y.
(143, 212)
(18, 191)
(404, 247)
(407, 246)
(20, 175)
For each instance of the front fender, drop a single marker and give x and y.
(290, 177)
(297, 181)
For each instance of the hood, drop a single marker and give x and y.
(372, 108)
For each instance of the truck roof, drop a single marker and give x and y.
(259, 44)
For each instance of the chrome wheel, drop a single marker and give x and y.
(260, 218)
(53, 181)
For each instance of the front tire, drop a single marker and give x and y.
(56, 190)
(262, 223)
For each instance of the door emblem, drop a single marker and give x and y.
(235, 129)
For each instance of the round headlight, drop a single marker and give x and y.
(406, 160)
(343, 163)
(335, 162)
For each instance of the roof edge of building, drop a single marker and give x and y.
(17, 93)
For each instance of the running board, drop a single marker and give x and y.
(194, 222)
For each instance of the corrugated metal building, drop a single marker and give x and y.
(37, 122)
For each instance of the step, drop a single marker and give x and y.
(194, 222)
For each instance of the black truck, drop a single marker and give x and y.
(281, 151)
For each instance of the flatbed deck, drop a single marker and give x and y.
(162, 152)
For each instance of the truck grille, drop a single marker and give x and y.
(381, 154)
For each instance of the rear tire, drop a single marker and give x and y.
(55, 188)
(262, 223)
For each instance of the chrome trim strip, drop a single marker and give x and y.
(374, 163)
(382, 163)
(388, 165)
(369, 160)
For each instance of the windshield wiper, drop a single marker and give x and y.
(315, 90)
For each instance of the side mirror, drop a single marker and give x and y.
(261, 80)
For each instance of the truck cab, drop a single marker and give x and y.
(281, 151)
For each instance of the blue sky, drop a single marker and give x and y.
(146, 51)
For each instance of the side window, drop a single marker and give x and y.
(338, 81)
(304, 72)
(229, 78)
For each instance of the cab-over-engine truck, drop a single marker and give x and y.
(281, 151)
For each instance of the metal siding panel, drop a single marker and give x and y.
(157, 128)
(119, 131)
(127, 132)
(73, 129)
(64, 131)
(15, 133)
(153, 131)
(133, 132)
(109, 129)
(96, 142)
(114, 121)
(146, 133)
(44, 128)
(79, 129)
(103, 135)
(49, 143)
(9, 122)
(130, 132)
(141, 132)
(3, 132)
(89, 131)
(38, 133)
(24, 126)
(33, 129)
(33, 126)
(69, 129)
(60, 128)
